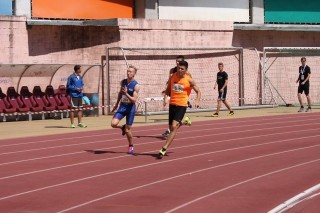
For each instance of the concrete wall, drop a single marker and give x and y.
(22, 44)
(266, 38)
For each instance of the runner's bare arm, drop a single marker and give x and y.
(198, 92)
(134, 98)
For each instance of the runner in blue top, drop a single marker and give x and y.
(127, 97)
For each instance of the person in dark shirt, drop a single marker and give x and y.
(304, 84)
(222, 81)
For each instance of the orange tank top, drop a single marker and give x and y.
(180, 90)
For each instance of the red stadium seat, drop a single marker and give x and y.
(15, 101)
(5, 107)
(54, 101)
(63, 96)
(28, 99)
(41, 100)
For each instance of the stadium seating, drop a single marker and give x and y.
(14, 100)
(54, 101)
(37, 102)
(5, 107)
(62, 96)
(40, 99)
(28, 100)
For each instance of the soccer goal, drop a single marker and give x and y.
(281, 71)
(153, 72)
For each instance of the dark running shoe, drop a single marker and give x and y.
(215, 115)
(301, 109)
(231, 113)
(308, 109)
(166, 133)
(123, 128)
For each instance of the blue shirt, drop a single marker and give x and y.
(130, 90)
(74, 82)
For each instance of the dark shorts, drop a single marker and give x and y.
(303, 88)
(176, 113)
(222, 95)
(128, 111)
(76, 102)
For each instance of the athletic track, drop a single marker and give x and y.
(246, 165)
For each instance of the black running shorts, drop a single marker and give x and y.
(176, 113)
(303, 88)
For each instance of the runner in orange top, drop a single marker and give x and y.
(165, 101)
(179, 89)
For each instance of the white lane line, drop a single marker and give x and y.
(151, 142)
(143, 130)
(296, 200)
(103, 141)
(241, 183)
(198, 171)
(179, 147)
(157, 163)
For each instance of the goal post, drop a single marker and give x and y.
(153, 66)
(281, 71)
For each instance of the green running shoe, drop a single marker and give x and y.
(73, 126)
(82, 125)
(187, 121)
(162, 153)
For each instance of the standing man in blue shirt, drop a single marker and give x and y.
(75, 88)
(127, 97)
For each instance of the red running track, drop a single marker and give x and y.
(235, 165)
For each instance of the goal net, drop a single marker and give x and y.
(281, 71)
(153, 72)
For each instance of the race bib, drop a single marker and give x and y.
(125, 99)
(178, 88)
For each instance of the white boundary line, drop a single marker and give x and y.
(294, 200)
(97, 135)
(168, 161)
(152, 142)
(240, 183)
(221, 122)
(198, 171)
(103, 141)
(187, 146)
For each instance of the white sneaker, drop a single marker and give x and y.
(308, 109)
